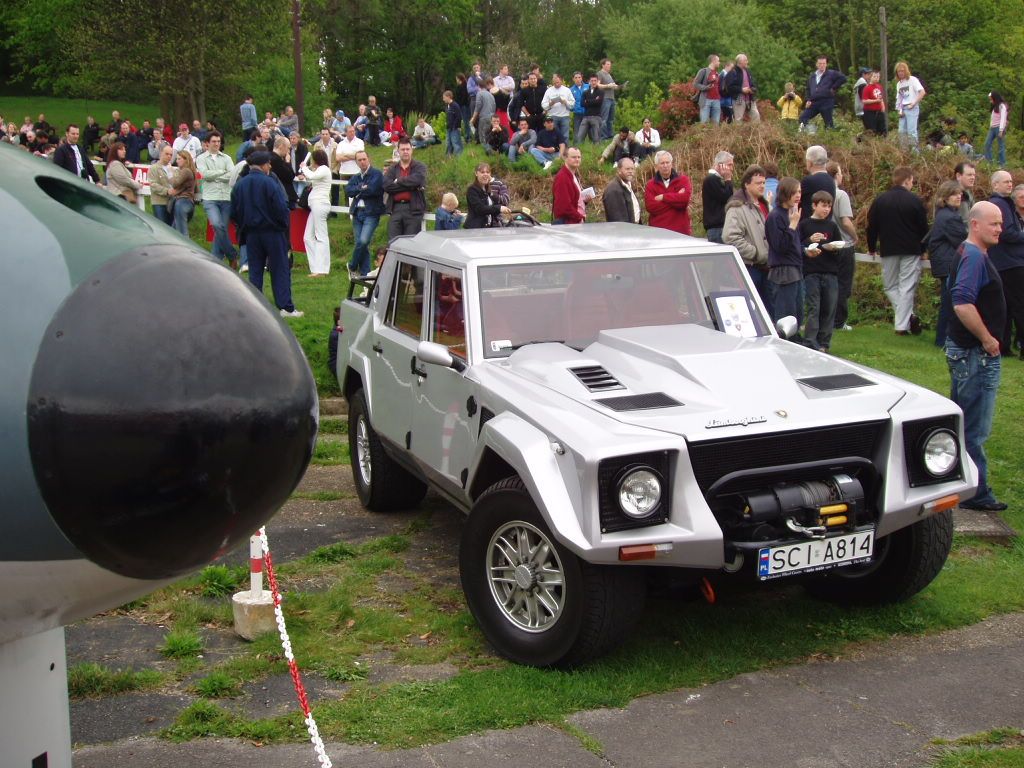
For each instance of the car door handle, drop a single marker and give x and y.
(378, 348)
(421, 372)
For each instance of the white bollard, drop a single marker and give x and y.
(254, 608)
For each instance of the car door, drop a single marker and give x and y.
(445, 415)
(394, 352)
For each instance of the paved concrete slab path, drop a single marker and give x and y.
(880, 704)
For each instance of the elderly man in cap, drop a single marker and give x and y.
(185, 140)
(259, 209)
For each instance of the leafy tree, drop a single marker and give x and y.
(667, 41)
(183, 51)
(404, 53)
(32, 33)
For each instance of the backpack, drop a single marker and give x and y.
(699, 79)
(499, 191)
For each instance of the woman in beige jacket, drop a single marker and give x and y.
(161, 179)
(119, 178)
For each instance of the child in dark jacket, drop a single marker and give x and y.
(821, 270)
(448, 216)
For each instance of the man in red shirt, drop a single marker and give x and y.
(405, 182)
(569, 204)
(667, 196)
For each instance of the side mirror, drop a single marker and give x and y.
(787, 326)
(432, 353)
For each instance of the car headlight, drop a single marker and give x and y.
(939, 452)
(639, 493)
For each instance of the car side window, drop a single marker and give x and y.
(449, 324)
(405, 306)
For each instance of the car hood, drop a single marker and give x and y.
(704, 384)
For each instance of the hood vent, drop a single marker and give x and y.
(595, 378)
(837, 381)
(639, 402)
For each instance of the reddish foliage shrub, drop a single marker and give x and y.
(678, 110)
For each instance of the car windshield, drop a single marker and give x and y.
(572, 301)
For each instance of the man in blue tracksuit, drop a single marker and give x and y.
(259, 209)
(821, 93)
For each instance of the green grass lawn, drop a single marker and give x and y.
(60, 112)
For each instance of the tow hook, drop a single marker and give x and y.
(810, 531)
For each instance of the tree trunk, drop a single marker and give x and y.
(201, 93)
(192, 100)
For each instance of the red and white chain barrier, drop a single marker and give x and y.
(286, 644)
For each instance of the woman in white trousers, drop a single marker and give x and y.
(318, 247)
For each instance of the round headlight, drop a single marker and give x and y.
(639, 493)
(940, 452)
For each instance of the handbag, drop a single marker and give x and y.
(170, 205)
(304, 198)
(129, 195)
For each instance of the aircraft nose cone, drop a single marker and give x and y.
(170, 413)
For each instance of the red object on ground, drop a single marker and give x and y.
(297, 228)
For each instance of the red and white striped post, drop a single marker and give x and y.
(256, 567)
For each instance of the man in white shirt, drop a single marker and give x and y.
(557, 103)
(346, 153)
(187, 141)
(423, 135)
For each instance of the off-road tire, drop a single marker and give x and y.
(382, 484)
(905, 563)
(600, 605)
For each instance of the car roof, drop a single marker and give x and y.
(463, 246)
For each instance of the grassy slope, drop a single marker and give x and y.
(60, 112)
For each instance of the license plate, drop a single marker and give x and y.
(816, 555)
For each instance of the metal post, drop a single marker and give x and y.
(883, 29)
(300, 106)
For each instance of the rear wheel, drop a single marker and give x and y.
(382, 484)
(536, 602)
(905, 562)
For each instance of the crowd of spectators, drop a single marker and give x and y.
(797, 267)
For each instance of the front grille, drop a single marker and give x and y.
(595, 378)
(713, 459)
(639, 402)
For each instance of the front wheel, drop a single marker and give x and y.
(905, 562)
(536, 602)
(382, 484)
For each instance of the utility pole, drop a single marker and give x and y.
(884, 32)
(300, 107)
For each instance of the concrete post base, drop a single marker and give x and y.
(254, 616)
